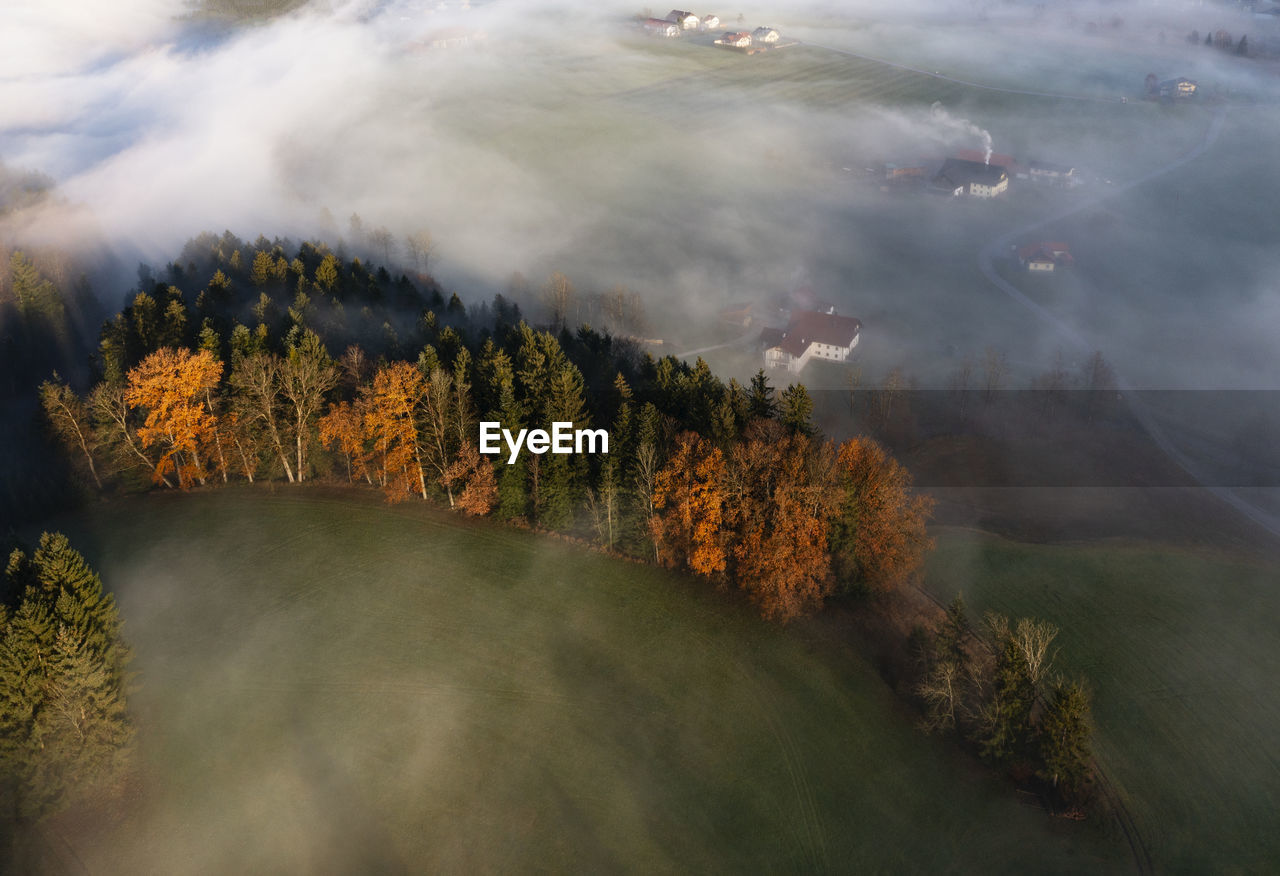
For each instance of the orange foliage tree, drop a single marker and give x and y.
(778, 513)
(170, 385)
(878, 537)
(392, 405)
(342, 429)
(474, 474)
(689, 493)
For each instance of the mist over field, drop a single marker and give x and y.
(286, 641)
(561, 138)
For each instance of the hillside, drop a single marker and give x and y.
(330, 685)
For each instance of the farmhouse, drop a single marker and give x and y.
(972, 178)
(686, 20)
(659, 27)
(1045, 256)
(1178, 89)
(1043, 171)
(764, 35)
(810, 335)
(710, 21)
(735, 40)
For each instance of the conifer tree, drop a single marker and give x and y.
(760, 400)
(63, 723)
(1064, 740)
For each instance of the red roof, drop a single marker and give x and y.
(1045, 251)
(810, 327)
(981, 157)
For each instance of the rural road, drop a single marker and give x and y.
(751, 332)
(1000, 245)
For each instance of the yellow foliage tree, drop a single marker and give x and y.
(392, 406)
(170, 386)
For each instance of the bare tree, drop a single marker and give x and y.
(941, 691)
(558, 294)
(69, 420)
(995, 367)
(256, 379)
(646, 478)
(1032, 637)
(306, 377)
(111, 414)
(382, 238)
(419, 244)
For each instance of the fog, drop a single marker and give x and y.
(560, 138)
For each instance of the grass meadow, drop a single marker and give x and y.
(326, 684)
(1180, 649)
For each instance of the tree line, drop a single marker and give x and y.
(232, 379)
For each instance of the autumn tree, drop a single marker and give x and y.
(689, 496)
(878, 537)
(470, 475)
(69, 420)
(170, 386)
(777, 513)
(342, 429)
(392, 406)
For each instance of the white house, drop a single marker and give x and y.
(1045, 171)
(710, 22)
(1179, 89)
(735, 40)
(686, 20)
(1045, 256)
(764, 35)
(810, 335)
(973, 178)
(659, 27)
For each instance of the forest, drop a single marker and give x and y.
(218, 370)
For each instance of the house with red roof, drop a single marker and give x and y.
(661, 27)
(1044, 256)
(1008, 162)
(810, 335)
(731, 40)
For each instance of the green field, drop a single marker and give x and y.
(329, 685)
(1181, 650)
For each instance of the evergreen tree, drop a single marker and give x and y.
(1064, 740)
(760, 401)
(797, 408)
(63, 724)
